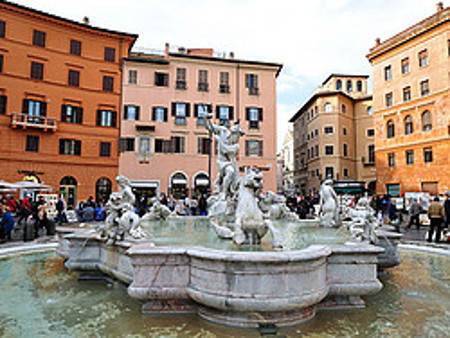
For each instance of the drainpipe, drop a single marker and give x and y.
(119, 111)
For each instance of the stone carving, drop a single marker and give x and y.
(158, 211)
(363, 222)
(121, 220)
(277, 207)
(328, 205)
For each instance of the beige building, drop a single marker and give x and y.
(411, 80)
(286, 157)
(334, 134)
(164, 145)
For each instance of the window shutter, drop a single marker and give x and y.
(247, 114)
(210, 108)
(260, 148)
(114, 119)
(231, 113)
(125, 112)
(138, 112)
(255, 81)
(63, 112)
(99, 118)
(25, 104)
(77, 147)
(188, 109)
(199, 145)
(217, 112)
(154, 114)
(121, 147)
(195, 110)
(43, 111)
(61, 146)
(246, 147)
(166, 80)
(80, 115)
(174, 109)
(181, 144)
(165, 114)
(247, 80)
(260, 114)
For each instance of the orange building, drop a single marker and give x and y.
(60, 91)
(411, 98)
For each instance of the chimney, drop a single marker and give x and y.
(231, 55)
(440, 6)
(166, 50)
(182, 50)
(86, 20)
(377, 41)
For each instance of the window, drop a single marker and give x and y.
(106, 118)
(224, 82)
(75, 47)
(406, 94)
(345, 172)
(427, 155)
(316, 150)
(224, 114)
(370, 132)
(424, 88)
(408, 125)
(37, 70)
(344, 109)
(105, 149)
(409, 155)
(329, 150)
(34, 108)
(203, 85)
(349, 86)
(387, 73)
(390, 126)
(253, 148)
(132, 76)
(344, 131)
(126, 144)
(159, 114)
(200, 112)
(316, 110)
(327, 107)
(371, 153)
(316, 132)
(177, 144)
(203, 145)
(328, 130)
(251, 82)
(345, 150)
(174, 145)
(144, 150)
(71, 114)
(359, 86)
(32, 143)
(180, 111)
(388, 99)
(254, 116)
(405, 66)
(423, 58)
(370, 110)
(108, 84)
(38, 38)
(181, 79)
(161, 79)
(74, 78)
(2, 28)
(426, 121)
(110, 54)
(329, 172)
(132, 112)
(69, 147)
(3, 102)
(338, 85)
(391, 159)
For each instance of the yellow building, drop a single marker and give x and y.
(410, 98)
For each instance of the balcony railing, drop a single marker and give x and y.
(33, 121)
(367, 161)
(253, 91)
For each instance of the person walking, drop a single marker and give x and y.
(414, 212)
(436, 213)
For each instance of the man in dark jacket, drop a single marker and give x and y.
(414, 213)
(447, 209)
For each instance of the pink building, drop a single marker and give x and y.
(164, 147)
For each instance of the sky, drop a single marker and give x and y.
(311, 38)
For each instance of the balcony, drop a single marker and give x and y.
(181, 85)
(25, 121)
(367, 161)
(253, 91)
(224, 89)
(203, 87)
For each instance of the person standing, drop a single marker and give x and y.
(414, 212)
(7, 222)
(447, 209)
(60, 208)
(436, 213)
(25, 209)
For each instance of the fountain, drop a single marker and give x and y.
(248, 284)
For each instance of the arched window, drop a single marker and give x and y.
(359, 86)
(426, 121)
(338, 85)
(68, 189)
(179, 186)
(327, 107)
(349, 86)
(390, 126)
(344, 109)
(408, 125)
(369, 110)
(103, 188)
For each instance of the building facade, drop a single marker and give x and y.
(411, 80)
(287, 164)
(334, 134)
(165, 146)
(60, 91)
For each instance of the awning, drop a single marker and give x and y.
(201, 181)
(144, 184)
(28, 185)
(179, 181)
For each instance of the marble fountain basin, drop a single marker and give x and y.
(233, 287)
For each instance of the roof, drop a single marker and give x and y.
(433, 21)
(147, 59)
(314, 97)
(55, 17)
(279, 66)
(344, 75)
